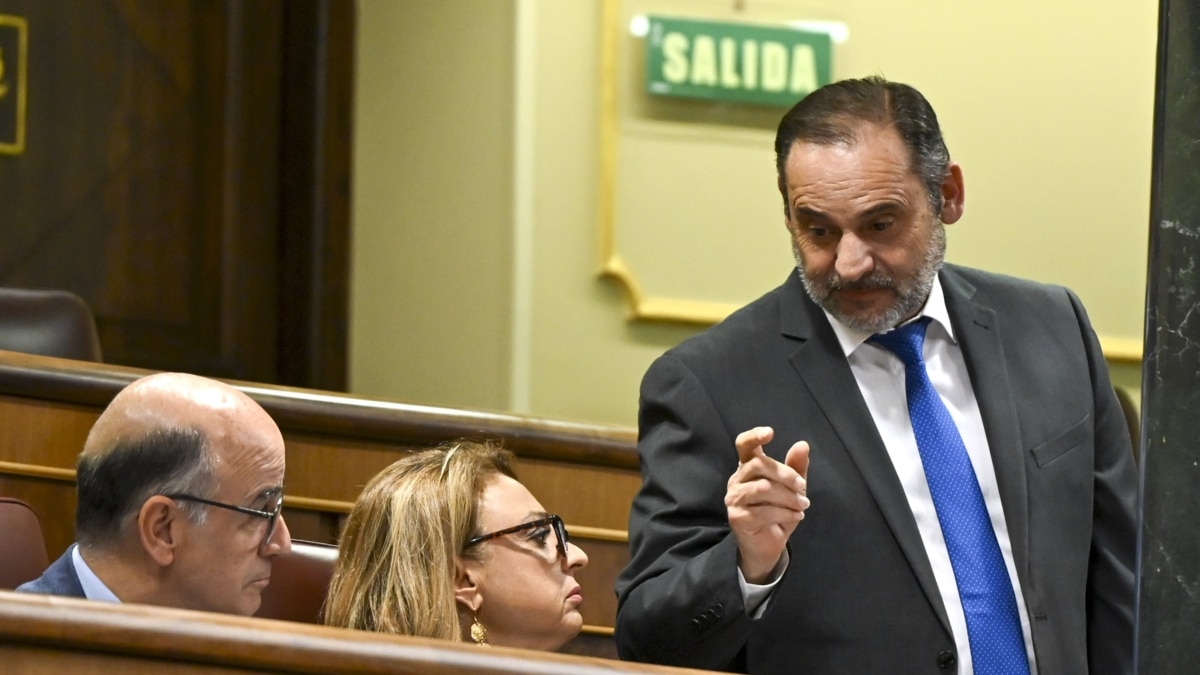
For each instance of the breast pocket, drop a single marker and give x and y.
(1077, 436)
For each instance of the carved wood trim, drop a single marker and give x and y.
(304, 411)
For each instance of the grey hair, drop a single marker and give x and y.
(113, 484)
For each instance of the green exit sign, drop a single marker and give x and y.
(739, 62)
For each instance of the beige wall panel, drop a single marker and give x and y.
(432, 230)
(1047, 107)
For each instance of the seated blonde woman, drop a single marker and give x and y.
(446, 543)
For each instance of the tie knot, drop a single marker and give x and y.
(905, 342)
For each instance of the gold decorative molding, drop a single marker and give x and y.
(612, 265)
(598, 533)
(303, 503)
(314, 504)
(660, 309)
(37, 471)
(1121, 350)
(14, 32)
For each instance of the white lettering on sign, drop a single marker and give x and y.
(729, 73)
(774, 66)
(804, 69)
(750, 65)
(765, 65)
(675, 61)
(704, 61)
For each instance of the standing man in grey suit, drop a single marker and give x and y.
(180, 485)
(886, 464)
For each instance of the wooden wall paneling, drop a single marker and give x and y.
(315, 166)
(335, 444)
(50, 658)
(596, 496)
(335, 468)
(313, 524)
(46, 634)
(166, 141)
(606, 559)
(39, 441)
(249, 97)
(53, 501)
(45, 433)
(142, 185)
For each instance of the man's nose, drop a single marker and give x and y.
(280, 542)
(854, 260)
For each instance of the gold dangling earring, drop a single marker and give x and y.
(478, 632)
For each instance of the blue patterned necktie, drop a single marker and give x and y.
(993, 625)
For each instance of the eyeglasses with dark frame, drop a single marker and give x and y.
(272, 516)
(560, 532)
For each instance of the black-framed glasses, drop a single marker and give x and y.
(272, 516)
(560, 532)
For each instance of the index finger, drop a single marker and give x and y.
(749, 443)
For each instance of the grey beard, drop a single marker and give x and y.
(910, 300)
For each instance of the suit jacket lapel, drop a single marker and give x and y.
(821, 364)
(980, 339)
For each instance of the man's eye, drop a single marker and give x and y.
(817, 231)
(881, 225)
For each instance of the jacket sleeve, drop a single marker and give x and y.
(1111, 569)
(679, 599)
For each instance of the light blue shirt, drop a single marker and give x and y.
(93, 588)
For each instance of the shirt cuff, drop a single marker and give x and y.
(756, 596)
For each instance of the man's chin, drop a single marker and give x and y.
(251, 600)
(863, 316)
(866, 324)
(250, 608)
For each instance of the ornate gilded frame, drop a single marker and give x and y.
(19, 102)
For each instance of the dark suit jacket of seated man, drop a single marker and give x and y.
(179, 483)
(785, 405)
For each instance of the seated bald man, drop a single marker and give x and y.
(180, 484)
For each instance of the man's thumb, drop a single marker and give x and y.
(797, 458)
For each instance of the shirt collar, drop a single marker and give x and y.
(934, 308)
(93, 588)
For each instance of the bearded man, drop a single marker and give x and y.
(955, 432)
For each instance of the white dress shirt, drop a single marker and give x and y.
(93, 588)
(880, 377)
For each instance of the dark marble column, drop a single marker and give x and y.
(1169, 597)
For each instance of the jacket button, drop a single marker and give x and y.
(718, 610)
(946, 659)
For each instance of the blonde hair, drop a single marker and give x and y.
(409, 527)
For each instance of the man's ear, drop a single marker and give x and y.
(467, 590)
(952, 194)
(160, 529)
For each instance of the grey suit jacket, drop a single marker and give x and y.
(58, 579)
(859, 594)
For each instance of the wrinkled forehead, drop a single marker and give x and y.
(875, 152)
